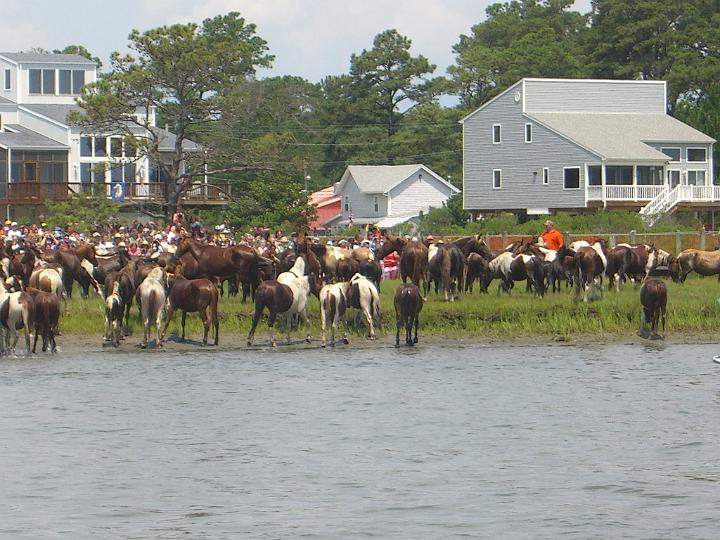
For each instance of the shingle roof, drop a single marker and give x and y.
(5, 100)
(48, 58)
(55, 111)
(25, 138)
(622, 136)
(167, 142)
(380, 178)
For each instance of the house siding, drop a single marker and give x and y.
(684, 165)
(414, 194)
(594, 96)
(361, 204)
(517, 159)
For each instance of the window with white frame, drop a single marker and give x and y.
(7, 85)
(696, 178)
(571, 177)
(528, 133)
(546, 176)
(496, 133)
(347, 204)
(497, 178)
(41, 81)
(697, 155)
(376, 204)
(672, 153)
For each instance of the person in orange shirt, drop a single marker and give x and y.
(552, 237)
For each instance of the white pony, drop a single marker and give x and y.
(16, 312)
(152, 295)
(49, 279)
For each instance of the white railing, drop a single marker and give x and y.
(624, 193)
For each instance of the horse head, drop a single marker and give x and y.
(316, 284)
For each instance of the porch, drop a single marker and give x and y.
(36, 193)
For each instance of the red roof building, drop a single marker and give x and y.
(327, 206)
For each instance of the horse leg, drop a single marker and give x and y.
(158, 328)
(37, 334)
(146, 332)
(323, 327)
(408, 329)
(398, 320)
(368, 318)
(417, 323)
(206, 324)
(184, 315)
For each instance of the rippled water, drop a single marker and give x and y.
(431, 442)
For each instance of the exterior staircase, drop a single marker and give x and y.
(668, 199)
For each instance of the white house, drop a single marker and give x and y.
(386, 195)
(545, 145)
(43, 157)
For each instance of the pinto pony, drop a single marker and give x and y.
(333, 303)
(653, 298)
(113, 315)
(705, 263)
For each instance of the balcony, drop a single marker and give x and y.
(217, 193)
(623, 193)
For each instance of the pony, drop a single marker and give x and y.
(70, 261)
(126, 280)
(113, 315)
(287, 295)
(333, 303)
(47, 317)
(193, 295)
(49, 279)
(408, 304)
(17, 312)
(591, 263)
(511, 268)
(446, 267)
(653, 298)
(152, 296)
(705, 263)
(477, 267)
(363, 295)
(636, 262)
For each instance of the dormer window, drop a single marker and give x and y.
(41, 81)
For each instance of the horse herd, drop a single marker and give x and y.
(36, 283)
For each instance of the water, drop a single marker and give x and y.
(431, 442)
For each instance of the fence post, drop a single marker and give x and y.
(613, 241)
(566, 238)
(703, 236)
(631, 238)
(678, 243)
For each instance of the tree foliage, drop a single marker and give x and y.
(81, 212)
(82, 51)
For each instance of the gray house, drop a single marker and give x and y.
(386, 195)
(545, 145)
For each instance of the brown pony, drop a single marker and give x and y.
(476, 267)
(47, 318)
(239, 262)
(73, 270)
(705, 263)
(653, 298)
(408, 305)
(193, 295)
(413, 258)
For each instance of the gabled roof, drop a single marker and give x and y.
(24, 138)
(481, 107)
(324, 197)
(47, 58)
(621, 136)
(54, 111)
(382, 178)
(5, 100)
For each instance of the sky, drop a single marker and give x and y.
(309, 38)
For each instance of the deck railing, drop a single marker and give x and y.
(623, 192)
(39, 192)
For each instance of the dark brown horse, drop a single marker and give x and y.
(413, 258)
(408, 305)
(126, 289)
(239, 262)
(446, 268)
(73, 269)
(476, 268)
(653, 298)
(194, 296)
(47, 318)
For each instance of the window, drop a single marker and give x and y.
(78, 81)
(347, 204)
(696, 154)
(528, 133)
(64, 82)
(696, 178)
(86, 173)
(100, 148)
(35, 81)
(672, 153)
(649, 176)
(376, 204)
(496, 133)
(571, 178)
(546, 176)
(116, 174)
(594, 175)
(48, 81)
(497, 178)
(116, 147)
(7, 79)
(30, 169)
(129, 174)
(619, 175)
(86, 144)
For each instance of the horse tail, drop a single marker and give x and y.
(375, 305)
(330, 308)
(445, 270)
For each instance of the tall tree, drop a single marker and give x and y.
(185, 73)
(388, 75)
(523, 38)
(674, 40)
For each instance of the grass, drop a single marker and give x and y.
(693, 310)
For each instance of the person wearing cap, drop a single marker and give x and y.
(552, 237)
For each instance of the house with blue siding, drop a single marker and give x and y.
(386, 195)
(549, 145)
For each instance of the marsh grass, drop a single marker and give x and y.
(693, 310)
